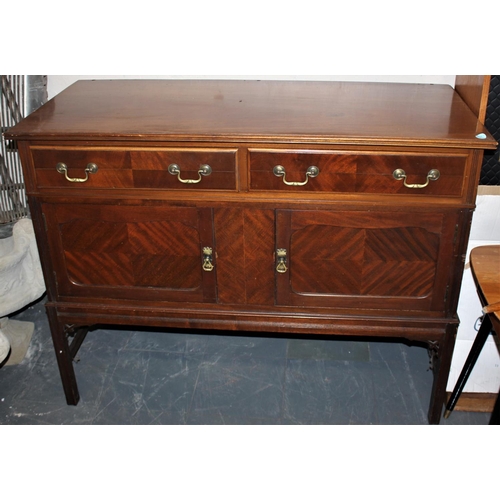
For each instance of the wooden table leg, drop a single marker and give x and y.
(64, 357)
(443, 352)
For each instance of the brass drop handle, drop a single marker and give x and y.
(207, 259)
(203, 170)
(279, 171)
(399, 174)
(281, 258)
(91, 168)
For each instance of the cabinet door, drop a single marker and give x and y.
(363, 259)
(132, 252)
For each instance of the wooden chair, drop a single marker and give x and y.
(485, 267)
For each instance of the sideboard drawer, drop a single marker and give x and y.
(357, 172)
(135, 168)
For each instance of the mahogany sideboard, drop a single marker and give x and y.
(262, 206)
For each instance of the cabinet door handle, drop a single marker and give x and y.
(399, 174)
(207, 259)
(279, 171)
(281, 258)
(91, 168)
(203, 170)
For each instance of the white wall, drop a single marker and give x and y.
(485, 226)
(57, 83)
(485, 230)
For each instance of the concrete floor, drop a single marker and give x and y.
(151, 377)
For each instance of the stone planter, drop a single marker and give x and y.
(21, 282)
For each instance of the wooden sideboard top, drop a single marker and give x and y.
(257, 111)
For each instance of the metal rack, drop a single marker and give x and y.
(20, 95)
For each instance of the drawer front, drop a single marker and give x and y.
(135, 168)
(357, 172)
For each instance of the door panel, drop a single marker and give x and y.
(362, 259)
(140, 253)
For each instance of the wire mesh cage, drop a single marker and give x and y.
(20, 95)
